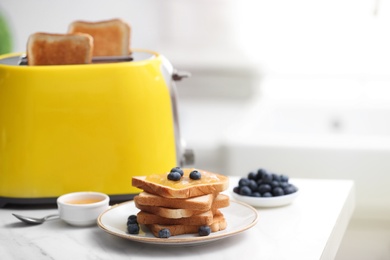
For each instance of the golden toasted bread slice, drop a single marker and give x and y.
(159, 184)
(146, 218)
(219, 223)
(202, 203)
(220, 201)
(59, 49)
(111, 37)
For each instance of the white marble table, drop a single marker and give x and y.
(310, 228)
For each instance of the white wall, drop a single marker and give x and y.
(170, 26)
(293, 37)
(54, 16)
(326, 37)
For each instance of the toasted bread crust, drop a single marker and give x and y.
(222, 184)
(202, 203)
(146, 218)
(59, 49)
(111, 37)
(219, 223)
(219, 202)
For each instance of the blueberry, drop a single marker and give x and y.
(195, 175)
(256, 194)
(275, 184)
(204, 231)
(132, 219)
(245, 190)
(174, 176)
(164, 233)
(260, 173)
(278, 191)
(289, 189)
(275, 177)
(267, 178)
(177, 169)
(252, 176)
(263, 188)
(243, 182)
(236, 190)
(133, 228)
(267, 195)
(283, 178)
(284, 184)
(294, 187)
(252, 185)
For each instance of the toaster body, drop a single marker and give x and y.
(84, 127)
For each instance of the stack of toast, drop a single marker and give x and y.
(181, 206)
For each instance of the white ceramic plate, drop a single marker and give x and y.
(267, 202)
(239, 217)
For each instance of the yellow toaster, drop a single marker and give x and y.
(86, 127)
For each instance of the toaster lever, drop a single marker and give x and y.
(179, 75)
(188, 157)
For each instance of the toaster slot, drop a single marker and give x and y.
(98, 59)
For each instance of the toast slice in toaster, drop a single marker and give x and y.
(219, 223)
(111, 37)
(220, 201)
(59, 49)
(158, 184)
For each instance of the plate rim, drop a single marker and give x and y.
(178, 240)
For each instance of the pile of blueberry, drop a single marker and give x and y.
(132, 225)
(176, 173)
(262, 183)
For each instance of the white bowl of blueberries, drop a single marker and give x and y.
(262, 188)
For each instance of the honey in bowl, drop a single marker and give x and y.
(82, 208)
(84, 201)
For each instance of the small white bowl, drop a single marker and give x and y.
(82, 208)
(267, 202)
